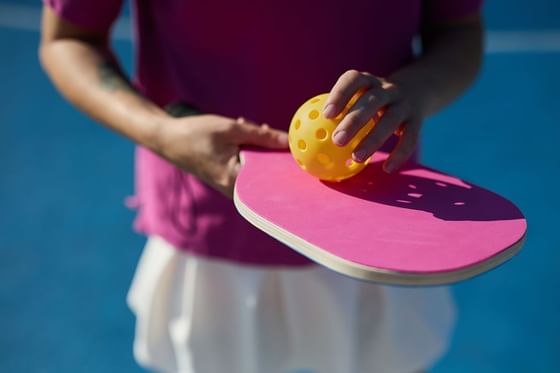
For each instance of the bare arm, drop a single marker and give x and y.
(84, 69)
(449, 62)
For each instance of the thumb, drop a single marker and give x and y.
(250, 134)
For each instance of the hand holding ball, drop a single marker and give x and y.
(311, 145)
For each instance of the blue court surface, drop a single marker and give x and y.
(67, 251)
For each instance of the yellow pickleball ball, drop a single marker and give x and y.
(310, 138)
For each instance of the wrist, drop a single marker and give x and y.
(157, 138)
(416, 92)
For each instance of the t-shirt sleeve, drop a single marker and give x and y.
(97, 15)
(449, 10)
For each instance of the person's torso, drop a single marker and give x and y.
(260, 60)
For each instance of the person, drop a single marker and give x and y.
(212, 294)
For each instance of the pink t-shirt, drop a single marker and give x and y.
(250, 58)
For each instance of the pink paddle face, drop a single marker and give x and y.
(418, 226)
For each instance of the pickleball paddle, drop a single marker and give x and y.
(418, 226)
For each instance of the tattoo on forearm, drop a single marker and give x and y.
(112, 79)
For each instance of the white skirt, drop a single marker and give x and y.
(201, 315)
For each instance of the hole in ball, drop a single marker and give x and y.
(321, 134)
(297, 124)
(314, 100)
(313, 114)
(302, 145)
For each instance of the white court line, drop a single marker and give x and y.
(522, 41)
(28, 18)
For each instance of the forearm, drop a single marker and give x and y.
(88, 76)
(449, 63)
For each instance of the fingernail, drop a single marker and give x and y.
(360, 155)
(339, 138)
(329, 111)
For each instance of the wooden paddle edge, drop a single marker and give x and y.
(379, 275)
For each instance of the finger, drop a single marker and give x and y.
(405, 147)
(213, 174)
(361, 112)
(233, 166)
(222, 175)
(244, 133)
(232, 170)
(346, 86)
(389, 122)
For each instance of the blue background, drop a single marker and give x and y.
(67, 253)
